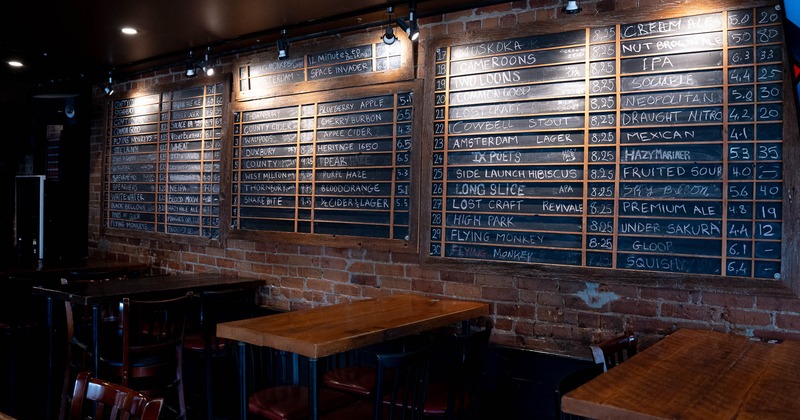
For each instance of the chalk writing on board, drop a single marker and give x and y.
(648, 145)
(168, 144)
(344, 172)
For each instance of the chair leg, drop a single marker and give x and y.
(208, 360)
(181, 394)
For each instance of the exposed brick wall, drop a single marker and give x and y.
(561, 315)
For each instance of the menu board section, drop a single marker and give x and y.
(649, 146)
(355, 61)
(163, 162)
(331, 165)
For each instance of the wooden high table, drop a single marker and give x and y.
(694, 374)
(328, 330)
(94, 294)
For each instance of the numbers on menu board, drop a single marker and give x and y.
(330, 167)
(652, 146)
(163, 162)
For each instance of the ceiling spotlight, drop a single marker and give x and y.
(572, 7)
(388, 36)
(208, 69)
(190, 66)
(108, 88)
(15, 63)
(283, 46)
(411, 28)
(129, 31)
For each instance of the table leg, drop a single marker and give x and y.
(242, 359)
(95, 338)
(313, 391)
(51, 347)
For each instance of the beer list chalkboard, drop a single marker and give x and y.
(163, 162)
(652, 146)
(338, 167)
(262, 76)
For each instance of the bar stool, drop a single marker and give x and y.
(203, 344)
(148, 356)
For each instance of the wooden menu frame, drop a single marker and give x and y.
(310, 101)
(157, 177)
(358, 58)
(790, 266)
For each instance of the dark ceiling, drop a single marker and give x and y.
(68, 43)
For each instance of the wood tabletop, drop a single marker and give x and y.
(327, 330)
(88, 293)
(693, 374)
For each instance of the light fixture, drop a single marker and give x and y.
(15, 63)
(190, 66)
(208, 69)
(411, 27)
(129, 31)
(572, 7)
(388, 36)
(283, 46)
(108, 88)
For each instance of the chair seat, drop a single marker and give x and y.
(196, 342)
(290, 402)
(436, 401)
(357, 380)
(364, 410)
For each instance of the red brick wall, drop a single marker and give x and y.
(561, 315)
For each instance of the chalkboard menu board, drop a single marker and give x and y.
(163, 162)
(353, 61)
(338, 164)
(653, 146)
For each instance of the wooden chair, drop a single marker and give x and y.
(401, 385)
(606, 355)
(455, 394)
(278, 392)
(78, 327)
(148, 356)
(570, 382)
(614, 351)
(111, 401)
(216, 306)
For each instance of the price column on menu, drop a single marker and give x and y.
(189, 161)
(754, 149)
(338, 167)
(402, 170)
(601, 170)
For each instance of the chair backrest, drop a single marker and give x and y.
(222, 306)
(471, 356)
(614, 351)
(113, 401)
(570, 382)
(151, 329)
(401, 381)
